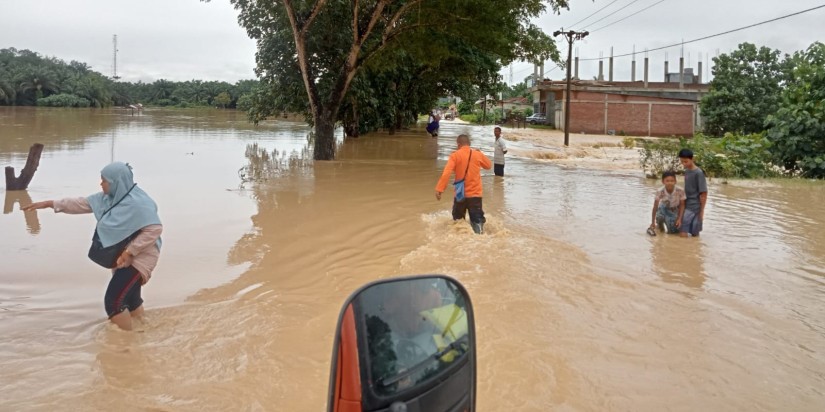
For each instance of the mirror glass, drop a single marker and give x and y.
(414, 331)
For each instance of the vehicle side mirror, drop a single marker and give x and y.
(405, 344)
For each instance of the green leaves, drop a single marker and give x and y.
(383, 61)
(797, 129)
(745, 90)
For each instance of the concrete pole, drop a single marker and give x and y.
(633, 71)
(601, 70)
(666, 64)
(541, 72)
(610, 65)
(647, 70)
(577, 68)
(610, 69)
(700, 73)
(681, 72)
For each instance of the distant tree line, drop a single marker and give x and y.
(29, 79)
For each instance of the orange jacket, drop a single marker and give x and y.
(458, 164)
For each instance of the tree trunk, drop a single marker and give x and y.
(26, 175)
(324, 135)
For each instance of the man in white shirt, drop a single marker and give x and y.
(500, 151)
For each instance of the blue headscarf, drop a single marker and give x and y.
(136, 211)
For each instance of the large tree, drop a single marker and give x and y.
(797, 130)
(309, 52)
(745, 90)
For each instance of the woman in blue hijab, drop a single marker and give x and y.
(122, 210)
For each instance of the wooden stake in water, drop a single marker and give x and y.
(26, 175)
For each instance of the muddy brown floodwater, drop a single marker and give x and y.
(577, 308)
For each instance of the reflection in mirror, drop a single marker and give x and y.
(414, 340)
(413, 329)
(22, 197)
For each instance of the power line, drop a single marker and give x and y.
(594, 13)
(718, 34)
(626, 6)
(625, 18)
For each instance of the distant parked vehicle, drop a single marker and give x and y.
(536, 119)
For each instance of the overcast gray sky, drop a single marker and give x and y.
(186, 39)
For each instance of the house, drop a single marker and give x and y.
(515, 103)
(635, 108)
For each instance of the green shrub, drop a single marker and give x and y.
(734, 155)
(469, 118)
(629, 142)
(63, 100)
(657, 156)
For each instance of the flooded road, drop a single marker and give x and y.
(577, 308)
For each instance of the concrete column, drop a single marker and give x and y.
(699, 75)
(647, 70)
(541, 72)
(610, 69)
(666, 64)
(576, 73)
(535, 74)
(601, 70)
(681, 72)
(633, 71)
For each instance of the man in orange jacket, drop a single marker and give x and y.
(466, 163)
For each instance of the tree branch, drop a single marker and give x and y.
(300, 51)
(355, 22)
(315, 11)
(398, 15)
(376, 14)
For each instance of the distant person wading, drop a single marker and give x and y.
(127, 224)
(466, 164)
(498, 155)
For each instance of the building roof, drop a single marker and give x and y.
(516, 100)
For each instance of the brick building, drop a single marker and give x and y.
(632, 108)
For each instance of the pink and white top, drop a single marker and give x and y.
(143, 247)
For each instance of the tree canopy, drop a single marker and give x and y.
(390, 59)
(745, 90)
(797, 129)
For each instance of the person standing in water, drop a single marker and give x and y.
(696, 191)
(433, 123)
(500, 151)
(466, 163)
(122, 209)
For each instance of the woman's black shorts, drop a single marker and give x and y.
(123, 291)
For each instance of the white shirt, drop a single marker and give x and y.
(501, 147)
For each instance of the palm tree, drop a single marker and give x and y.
(7, 93)
(36, 84)
(163, 89)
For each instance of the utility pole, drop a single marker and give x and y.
(570, 36)
(114, 58)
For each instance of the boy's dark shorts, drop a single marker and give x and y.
(691, 223)
(123, 291)
(498, 169)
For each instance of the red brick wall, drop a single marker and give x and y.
(630, 114)
(587, 117)
(670, 120)
(628, 118)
